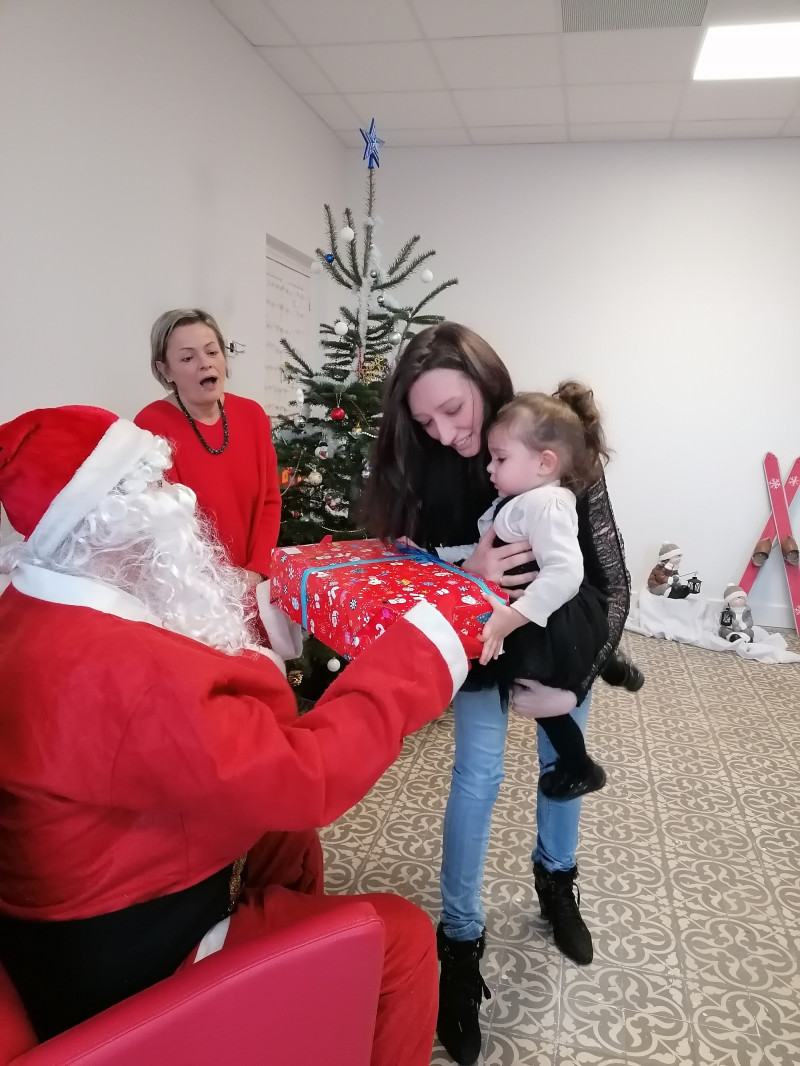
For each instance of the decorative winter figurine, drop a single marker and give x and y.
(664, 579)
(736, 619)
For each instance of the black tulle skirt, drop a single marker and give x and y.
(561, 653)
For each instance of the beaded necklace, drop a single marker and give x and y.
(200, 437)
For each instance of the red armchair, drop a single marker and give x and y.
(301, 997)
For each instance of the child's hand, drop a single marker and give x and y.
(407, 542)
(504, 620)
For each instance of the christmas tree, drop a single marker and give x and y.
(323, 444)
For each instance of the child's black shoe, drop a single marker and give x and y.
(562, 783)
(620, 672)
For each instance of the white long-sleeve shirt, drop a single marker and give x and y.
(547, 519)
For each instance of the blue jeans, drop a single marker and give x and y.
(481, 721)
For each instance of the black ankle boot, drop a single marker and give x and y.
(557, 891)
(620, 672)
(566, 782)
(461, 992)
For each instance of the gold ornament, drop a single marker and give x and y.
(295, 678)
(373, 368)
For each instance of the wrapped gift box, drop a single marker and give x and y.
(349, 592)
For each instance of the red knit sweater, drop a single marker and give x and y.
(238, 490)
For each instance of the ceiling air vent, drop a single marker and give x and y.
(580, 16)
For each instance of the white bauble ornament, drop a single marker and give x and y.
(395, 337)
(314, 478)
(340, 328)
(426, 276)
(333, 665)
(346, 234)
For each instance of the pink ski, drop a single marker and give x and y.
(791, 486)
(783, 526)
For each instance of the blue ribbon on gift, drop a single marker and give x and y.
(417, 555)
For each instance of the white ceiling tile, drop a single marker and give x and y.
(333, 109)
(734, 128)
(518, 134)
(731, 12)
(511, 107)
(254, 19)
(499, 62)
(739, 99)
(483, 18)
(347, 21)
(656, 102)
(502, 71)
(630, 55)
(620, 131)
(297, 69)
(379, 67)
(406, 111)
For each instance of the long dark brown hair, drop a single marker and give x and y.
(417, 486)
(567, 422)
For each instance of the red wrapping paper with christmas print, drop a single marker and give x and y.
(347, 593)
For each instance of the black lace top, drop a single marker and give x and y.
(604, 561)
(601, 545)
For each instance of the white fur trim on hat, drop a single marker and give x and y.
(117, 453)
(668, 551)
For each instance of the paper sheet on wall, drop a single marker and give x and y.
(288, 315)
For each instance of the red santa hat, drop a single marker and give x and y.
(57, 464)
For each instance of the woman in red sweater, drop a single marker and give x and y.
(221, 443)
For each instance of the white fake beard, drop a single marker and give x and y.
(146, 540)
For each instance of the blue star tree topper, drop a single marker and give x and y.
(372, 143)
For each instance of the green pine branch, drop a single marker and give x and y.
(409, 268)
(432, 296)
(403, 254)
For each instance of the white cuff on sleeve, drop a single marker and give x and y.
(439, 631)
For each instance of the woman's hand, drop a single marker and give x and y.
(492, 563)
(252, 578)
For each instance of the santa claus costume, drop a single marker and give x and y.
(145, 749)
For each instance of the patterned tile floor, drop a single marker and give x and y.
(690, 873)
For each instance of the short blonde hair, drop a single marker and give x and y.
(162, 330)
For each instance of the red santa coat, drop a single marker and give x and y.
(135, 762)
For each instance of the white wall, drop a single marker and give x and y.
(145, 152)
(664, 275)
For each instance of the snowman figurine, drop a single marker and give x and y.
(736, 619)
(664, 579)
